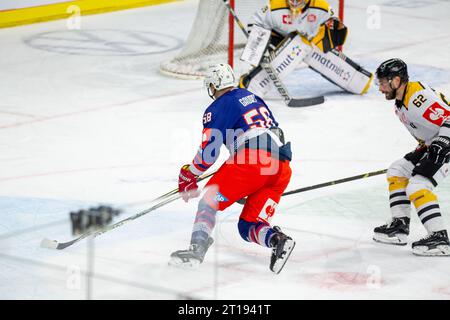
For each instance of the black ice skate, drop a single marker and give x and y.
(395, 232)
(192, 257)
(435, 244)
(282, 246)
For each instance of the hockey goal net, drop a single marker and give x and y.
(215, 37)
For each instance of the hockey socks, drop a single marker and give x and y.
(266, 236)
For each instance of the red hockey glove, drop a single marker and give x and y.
(187, 184)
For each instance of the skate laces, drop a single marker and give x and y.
(431, 235)
(389, 222)
(393, 220)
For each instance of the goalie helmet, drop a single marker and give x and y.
(392, 68)
(221, 76)
(297, 5)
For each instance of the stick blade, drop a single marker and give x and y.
(306, 102)
(49, 244)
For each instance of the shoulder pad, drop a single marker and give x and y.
(411, 89)
(319, 4)
(278, 4)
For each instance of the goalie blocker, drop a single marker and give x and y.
(333, 65)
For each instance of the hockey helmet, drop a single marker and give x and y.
(297, 5)
(221, 76)
(392, 68)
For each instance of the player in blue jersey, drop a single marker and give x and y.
(258, 168)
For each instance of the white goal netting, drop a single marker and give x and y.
(208, 40)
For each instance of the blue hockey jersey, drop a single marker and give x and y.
(236, 114)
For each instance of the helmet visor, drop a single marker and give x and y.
(296, 5)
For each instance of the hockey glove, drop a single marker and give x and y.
(418, 154)
(187, 184)
(439, 150)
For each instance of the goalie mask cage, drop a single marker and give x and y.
(215, 37)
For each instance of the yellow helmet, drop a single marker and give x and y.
(297, 5)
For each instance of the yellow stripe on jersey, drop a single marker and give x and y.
(319, 4)
(396, 183)
(278, 4)
(422, 197)
(444, 99)
(411, 88)
(318, 38)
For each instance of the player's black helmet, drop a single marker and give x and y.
(391, 68)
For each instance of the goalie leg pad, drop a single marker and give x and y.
(289, 54)
(340, 70)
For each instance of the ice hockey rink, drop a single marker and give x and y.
(86, 118)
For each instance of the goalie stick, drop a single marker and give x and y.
(266, 65)
(166, 199)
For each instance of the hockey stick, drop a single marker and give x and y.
(330, 183)
(54, 244)
(174, 191)
(166, 198)
(267, 66)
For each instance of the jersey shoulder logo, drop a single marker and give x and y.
(436, 114)
(245, 101)
(312, 17)
(286, 18)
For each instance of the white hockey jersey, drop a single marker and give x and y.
(424, 112)
(277, 16)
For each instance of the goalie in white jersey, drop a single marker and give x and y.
(300, 31)
(426, 115)
(312, 19)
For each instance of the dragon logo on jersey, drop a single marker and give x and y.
(436, 114)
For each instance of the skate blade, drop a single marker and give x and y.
(179, 263)
(398, 240)
(279, 265)
(439, 251)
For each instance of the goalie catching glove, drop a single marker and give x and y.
(439, 150)
(187, 184)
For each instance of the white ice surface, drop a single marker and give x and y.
(86, 118)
